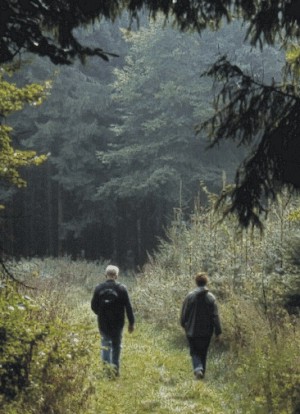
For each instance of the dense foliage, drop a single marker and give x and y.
(70, 128)
(47, 28)
(12, 99)
(49, 337)
(255, 370)
(138, 118)
(248, 111)
(42, 343)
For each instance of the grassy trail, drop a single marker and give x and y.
(156, 377)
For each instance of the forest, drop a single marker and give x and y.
(121, 142)
(160, 136)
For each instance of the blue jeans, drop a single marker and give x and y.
(111, 349)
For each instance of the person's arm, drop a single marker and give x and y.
(129, 312)
(186, 310)
(94, 302)
(216, 320)
(183, 315)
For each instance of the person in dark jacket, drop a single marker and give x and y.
(200, 319)
(110, 301)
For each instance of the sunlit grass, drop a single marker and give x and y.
(155, 378)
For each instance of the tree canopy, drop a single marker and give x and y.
(152, 160)
(48, 28)
(248, 109)
(158, 101)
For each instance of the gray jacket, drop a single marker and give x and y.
(199, 314)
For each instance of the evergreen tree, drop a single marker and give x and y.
(48, 28)
(70, 128)
(64, 217)
(265, 115)
(155, 162)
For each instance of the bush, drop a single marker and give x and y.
(250, 275)
(45, 349)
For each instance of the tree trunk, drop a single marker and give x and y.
(50, 221)
(59, 221)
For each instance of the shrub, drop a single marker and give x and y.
(250, 274)
(45, 349)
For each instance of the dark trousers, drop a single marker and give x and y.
(198, 351)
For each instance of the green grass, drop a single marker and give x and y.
(156, 377)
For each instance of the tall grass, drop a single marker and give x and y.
(251, 274)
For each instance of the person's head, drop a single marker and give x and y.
(112, 272)
(201, 279)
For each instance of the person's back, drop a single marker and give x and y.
(110, 301)
(200, 318)
(111, 311)
(198, 313)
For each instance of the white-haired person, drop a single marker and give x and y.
(110, 301)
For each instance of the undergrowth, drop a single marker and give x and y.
(50, 345)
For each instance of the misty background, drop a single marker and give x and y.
(124, 156)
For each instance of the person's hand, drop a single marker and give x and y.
(130, 328)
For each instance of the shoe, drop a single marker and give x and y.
(115, 371)
(199, 374)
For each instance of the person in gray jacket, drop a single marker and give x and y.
(200, 319)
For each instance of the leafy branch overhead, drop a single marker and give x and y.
(12, 99)
(48, 28)
(265, 117)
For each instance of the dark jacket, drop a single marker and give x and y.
(199, 314)
(111, 321)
